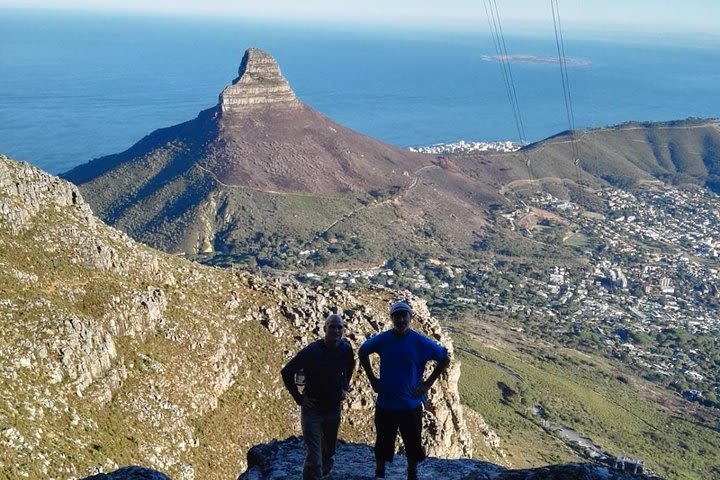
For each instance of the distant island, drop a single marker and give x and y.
(575, 62)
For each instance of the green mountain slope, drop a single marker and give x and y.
(625, 155)
(167, 191)
(113, 353)
(533, 392)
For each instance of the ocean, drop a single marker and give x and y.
(74, 87)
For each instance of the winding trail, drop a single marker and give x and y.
(375, 204)
(535, 181)
(263, 190)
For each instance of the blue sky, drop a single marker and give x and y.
(687, 16)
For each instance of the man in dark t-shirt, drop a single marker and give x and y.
(328, 366)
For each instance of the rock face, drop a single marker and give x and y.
(130, 473)
(29, 192)
(446, 434)
(259, 83)
(299, 314)
(283, 460)
(113, 353)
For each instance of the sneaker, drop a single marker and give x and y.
(412, 476)
(379, 475)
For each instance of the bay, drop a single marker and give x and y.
(74, 87)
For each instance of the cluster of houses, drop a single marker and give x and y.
(652, 269)
(650, 266)
(467, 147)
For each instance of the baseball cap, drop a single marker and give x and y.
(400, 307)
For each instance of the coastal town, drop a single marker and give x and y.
(643, 286)
(650, 292)
(462, 146)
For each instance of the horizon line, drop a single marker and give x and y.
(527, 27)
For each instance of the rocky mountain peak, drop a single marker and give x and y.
(259, 82)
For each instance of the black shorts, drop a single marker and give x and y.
(387, 423)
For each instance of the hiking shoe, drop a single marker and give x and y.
(412, 476)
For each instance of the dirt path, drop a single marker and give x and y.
(263, 190)
(375, 204)
(525, 182)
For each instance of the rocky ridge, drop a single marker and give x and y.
(116, 354)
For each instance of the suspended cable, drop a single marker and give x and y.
(562, 60)
(502, 57)
(506, 57)
(498, 36)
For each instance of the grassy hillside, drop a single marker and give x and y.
(506, 374)
(674, 152)
(91, 356)
(113, 353)
(162, 193)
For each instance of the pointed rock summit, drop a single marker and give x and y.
(259, 82)
(263, 161)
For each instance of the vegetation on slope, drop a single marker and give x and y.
(113, 353)
(516, 381)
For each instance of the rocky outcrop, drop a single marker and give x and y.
(283, 459)
(114, 353)
(259, 82)
(301, 313)
(280, 460)
(28, 190)
(130, 473)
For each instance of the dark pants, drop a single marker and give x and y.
(320, 431)
(387, 423)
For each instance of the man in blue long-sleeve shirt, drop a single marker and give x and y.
(328, 366)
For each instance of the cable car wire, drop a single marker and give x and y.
(498, 37)
(562, 60)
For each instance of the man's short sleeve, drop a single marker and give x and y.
(435, 351)
(369, 346)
